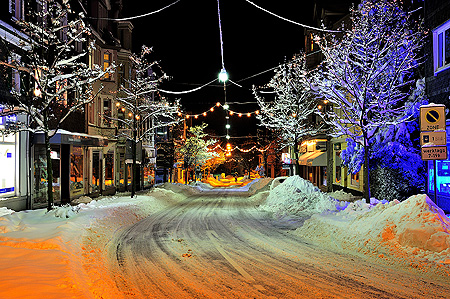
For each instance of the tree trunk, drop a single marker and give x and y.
(330, 172)
(366, 177)
(296, 165)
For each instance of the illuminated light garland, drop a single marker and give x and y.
(230, 149)
(218, 104)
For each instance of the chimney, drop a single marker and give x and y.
(125, 29)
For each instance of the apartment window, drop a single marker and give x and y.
(16, 9)
(441, 47)
(106, 64)
(107, 112)
(91, 113)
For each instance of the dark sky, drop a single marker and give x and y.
(185, 39)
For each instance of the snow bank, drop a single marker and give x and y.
(62, 253)
(415, 229)
(5, 211)
(297, 196)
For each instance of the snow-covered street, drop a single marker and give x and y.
(198, 242)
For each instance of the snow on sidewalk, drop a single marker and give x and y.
(62, 253)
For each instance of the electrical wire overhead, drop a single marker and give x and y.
(140, 16)
(186, 91)
(293, 22)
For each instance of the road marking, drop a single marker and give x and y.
(212, 236)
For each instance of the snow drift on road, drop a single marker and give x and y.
(299, 197)
(416, 229)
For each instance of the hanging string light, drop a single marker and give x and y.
(230, 149)
(225, 107)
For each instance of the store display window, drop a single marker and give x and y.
(8, 169)
(76, 171)
(443, 177)
(109, 168)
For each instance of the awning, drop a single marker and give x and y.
(303, 158)
(317, 159)
(66, 137)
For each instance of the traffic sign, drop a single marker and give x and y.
(433, 138)
(432, 117)
(434, 153)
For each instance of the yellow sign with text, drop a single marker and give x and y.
(432, 118)
(434, 153)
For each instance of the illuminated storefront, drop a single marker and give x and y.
(442, 178)
(8, 165)
(14, 161)
(74, 174)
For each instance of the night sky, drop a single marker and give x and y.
(185, 39)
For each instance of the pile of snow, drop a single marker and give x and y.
(414, 230)
(63, 253)
(5, 211)
(299, 197)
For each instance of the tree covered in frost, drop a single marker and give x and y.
(368, 73)
(195, 149)
(147, 111)
(290, 114)
(56, 78)
(397, 169)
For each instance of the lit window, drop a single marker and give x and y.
(106, 63)
(441, 47)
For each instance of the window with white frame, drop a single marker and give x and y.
(441, 47)
(16, 8)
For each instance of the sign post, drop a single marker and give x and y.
(433, 136)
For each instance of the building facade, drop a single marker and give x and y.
(437, 72)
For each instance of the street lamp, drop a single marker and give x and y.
(223, 76)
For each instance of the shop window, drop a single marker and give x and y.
(338, 174)
(76, 171)
(441, 47)
(129, 172)
(41, 174)
(443, 176)
(109, 169)
(95, 184)
(55, 156)
(122, 170)
(354, 179)
(8, 169)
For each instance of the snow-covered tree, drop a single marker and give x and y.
(56, 78)
(291, 113)
(145, 111)
(195, 150)
(368, 72)
(396, 167)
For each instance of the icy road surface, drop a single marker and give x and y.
(218, 245)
